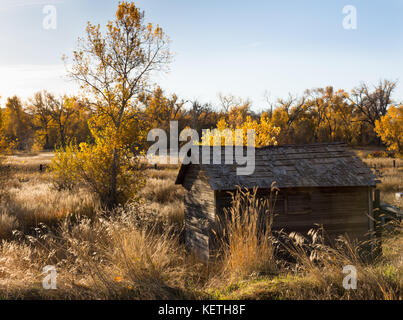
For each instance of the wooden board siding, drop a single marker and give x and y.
(199, 212)
(339, 210)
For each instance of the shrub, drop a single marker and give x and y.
(91, 166)
(62, 177)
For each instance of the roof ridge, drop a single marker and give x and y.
(306, 145)
(286, 145)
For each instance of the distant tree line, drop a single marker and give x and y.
(44, 121)
(321, 115)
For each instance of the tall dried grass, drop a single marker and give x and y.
(163, 197)
(391, 178)
(245, 232)
(126, 261)
(108, 257)
(161, 191)
(321, 265)
(27, 198)
(36, 202)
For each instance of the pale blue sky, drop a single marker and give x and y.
(235, 47)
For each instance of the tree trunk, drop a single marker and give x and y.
(46, 146)
(63, 139)
(112, 200)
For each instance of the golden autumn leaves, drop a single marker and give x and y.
(265, 134)
(390, 129)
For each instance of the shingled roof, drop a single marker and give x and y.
(313, 165)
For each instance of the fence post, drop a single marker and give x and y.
(378, 223)
(377, 199)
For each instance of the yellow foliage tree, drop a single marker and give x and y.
(16, 124)
(160, 110)
(265, 133)
(6, 145)
(114, 69)
(390, 129)
(57, 121)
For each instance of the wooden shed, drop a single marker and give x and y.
(322, 184)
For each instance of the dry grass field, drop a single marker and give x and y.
(391, 178)
(137, 251)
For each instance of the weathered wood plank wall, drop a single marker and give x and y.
(340, 210)
(199, 212)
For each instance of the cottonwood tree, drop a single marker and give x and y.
(52, 112)
(373, 103)
(286, 116)
(390, 129)
(62, 111)
(17, 124)
(58, 120)
(201, 116)
(114, 67)
(265, 134)
(40, 111)
(5, 144)
(235, 110)
(332, 114)
(161, 109)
